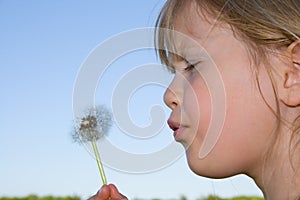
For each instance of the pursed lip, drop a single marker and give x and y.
(177, 128)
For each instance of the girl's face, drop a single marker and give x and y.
(248, 125)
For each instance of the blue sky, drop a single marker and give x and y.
(43, 45)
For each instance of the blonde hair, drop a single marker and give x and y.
(263, 25)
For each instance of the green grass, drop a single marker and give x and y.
(34, 197)
(211, 197)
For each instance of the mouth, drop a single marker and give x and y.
(177, 128)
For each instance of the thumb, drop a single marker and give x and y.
(114, 193)
(103, 193)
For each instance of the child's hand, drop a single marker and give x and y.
(108, 192)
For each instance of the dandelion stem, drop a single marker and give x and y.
(100, 166)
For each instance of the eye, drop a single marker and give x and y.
(189, 67)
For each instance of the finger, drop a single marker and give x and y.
(103, 193)
(115, 194)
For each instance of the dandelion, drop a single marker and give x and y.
(95, 123)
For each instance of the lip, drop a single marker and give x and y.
(178, 134)
(177, 128)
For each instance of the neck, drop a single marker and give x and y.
(279, 182)
(279, 176)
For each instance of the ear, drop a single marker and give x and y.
(291, 95)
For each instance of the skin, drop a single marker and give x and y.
(249, 122)
(248, 135)
(108, 192)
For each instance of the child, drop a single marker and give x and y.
(255, 46)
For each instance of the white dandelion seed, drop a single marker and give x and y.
(90, 127)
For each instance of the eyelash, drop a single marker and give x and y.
(189, 67)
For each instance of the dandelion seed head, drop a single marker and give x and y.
(92, 125)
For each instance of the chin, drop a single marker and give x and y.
(210, 173)
(209, 168)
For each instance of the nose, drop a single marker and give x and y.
(170, 99)
(173, 96)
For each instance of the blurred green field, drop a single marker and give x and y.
(211, 197)
(34, 197)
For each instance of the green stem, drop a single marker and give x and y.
(100, 166)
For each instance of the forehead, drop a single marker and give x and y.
(193, 29)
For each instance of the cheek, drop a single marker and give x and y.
(197, 107)
(204, 101)
(246, 132)
(249, 124)
(249, 115)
